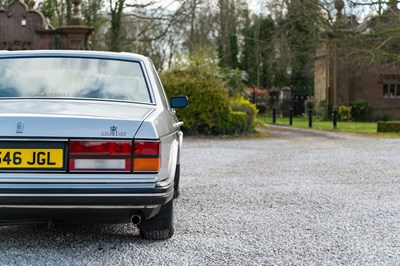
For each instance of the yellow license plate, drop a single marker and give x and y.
(32, 158)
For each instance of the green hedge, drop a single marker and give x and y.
(241, 104)
(237, 123)
(209, 111)
(388, 126)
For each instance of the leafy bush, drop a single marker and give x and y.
(209, 111)
(344, 113)
(237, 123)
(241, 104)
(360, 110)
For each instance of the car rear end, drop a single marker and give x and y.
(79, 154)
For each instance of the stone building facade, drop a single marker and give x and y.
(24, 29)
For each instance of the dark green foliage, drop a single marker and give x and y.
(360, 110)
(257, 52)
(209, 110)
(388, 126)
(300, 29)
(309, 104)
(262, 108)
(387, 117)
(116, 13)
(227, 41)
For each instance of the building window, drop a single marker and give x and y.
(391, 86)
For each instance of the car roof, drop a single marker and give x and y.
(77, 53)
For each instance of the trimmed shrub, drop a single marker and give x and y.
(241, 104)
(360, 110)
(344, 113)
(238, 123)
(209, 111)
(388, 126)
(208, 100)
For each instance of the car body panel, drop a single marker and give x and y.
(65, 119)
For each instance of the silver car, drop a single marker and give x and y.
(87, 137)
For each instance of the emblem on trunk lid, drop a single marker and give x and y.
(20, 127)
(113, 132)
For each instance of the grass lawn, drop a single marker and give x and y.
(353, 127)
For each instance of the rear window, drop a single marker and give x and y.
(64, 77)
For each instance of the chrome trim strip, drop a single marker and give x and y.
(78, 186)
(83, 195)
(148, 82)
(18, 181)
(78, 206)
(76, 178)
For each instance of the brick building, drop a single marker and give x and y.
(339, 79)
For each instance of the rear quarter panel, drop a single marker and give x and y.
(160, 125)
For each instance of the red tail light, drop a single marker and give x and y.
(98, 155)
(98, 148)
(147, 148)
(147, 156)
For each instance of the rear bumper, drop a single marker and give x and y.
(84, 195)
(80, 198)
(80, 204)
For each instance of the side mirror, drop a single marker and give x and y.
(179, 101)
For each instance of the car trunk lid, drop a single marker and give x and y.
(47, 118)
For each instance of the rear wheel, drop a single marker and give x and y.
(161, 226)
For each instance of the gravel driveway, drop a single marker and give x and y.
(297, 198)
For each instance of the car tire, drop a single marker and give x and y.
(176, 181)
(161, 226)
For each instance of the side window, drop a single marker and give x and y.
(391, 86)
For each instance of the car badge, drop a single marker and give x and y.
(20, 127)
(113, 132)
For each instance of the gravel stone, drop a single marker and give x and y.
(298, 198)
